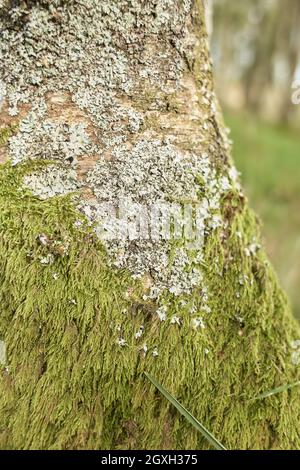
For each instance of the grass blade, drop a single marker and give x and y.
(277, 390)
(213, 441)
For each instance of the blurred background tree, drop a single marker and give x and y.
(256, 54)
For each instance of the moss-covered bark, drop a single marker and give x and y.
(83, 318)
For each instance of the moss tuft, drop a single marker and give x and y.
(6, 133)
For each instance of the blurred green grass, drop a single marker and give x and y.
(268, 156)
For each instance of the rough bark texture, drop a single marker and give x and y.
(101, 101)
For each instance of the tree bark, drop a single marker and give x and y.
(288, 39)
(106, 102)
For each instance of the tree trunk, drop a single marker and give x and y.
(109, 104)
(258, 77)
(288, 45)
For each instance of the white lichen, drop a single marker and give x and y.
(52, 181)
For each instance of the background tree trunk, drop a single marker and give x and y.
(101, 101)
(258, 77)
(288, 38)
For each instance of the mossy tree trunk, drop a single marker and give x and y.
(104, 102)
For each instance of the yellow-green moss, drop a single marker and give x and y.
(68, 384)
(6, 133)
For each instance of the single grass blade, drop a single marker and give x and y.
(277, 390)
(213, 441)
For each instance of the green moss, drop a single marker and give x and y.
(68, 383)
(6, 133)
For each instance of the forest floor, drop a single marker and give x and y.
(268, 156)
